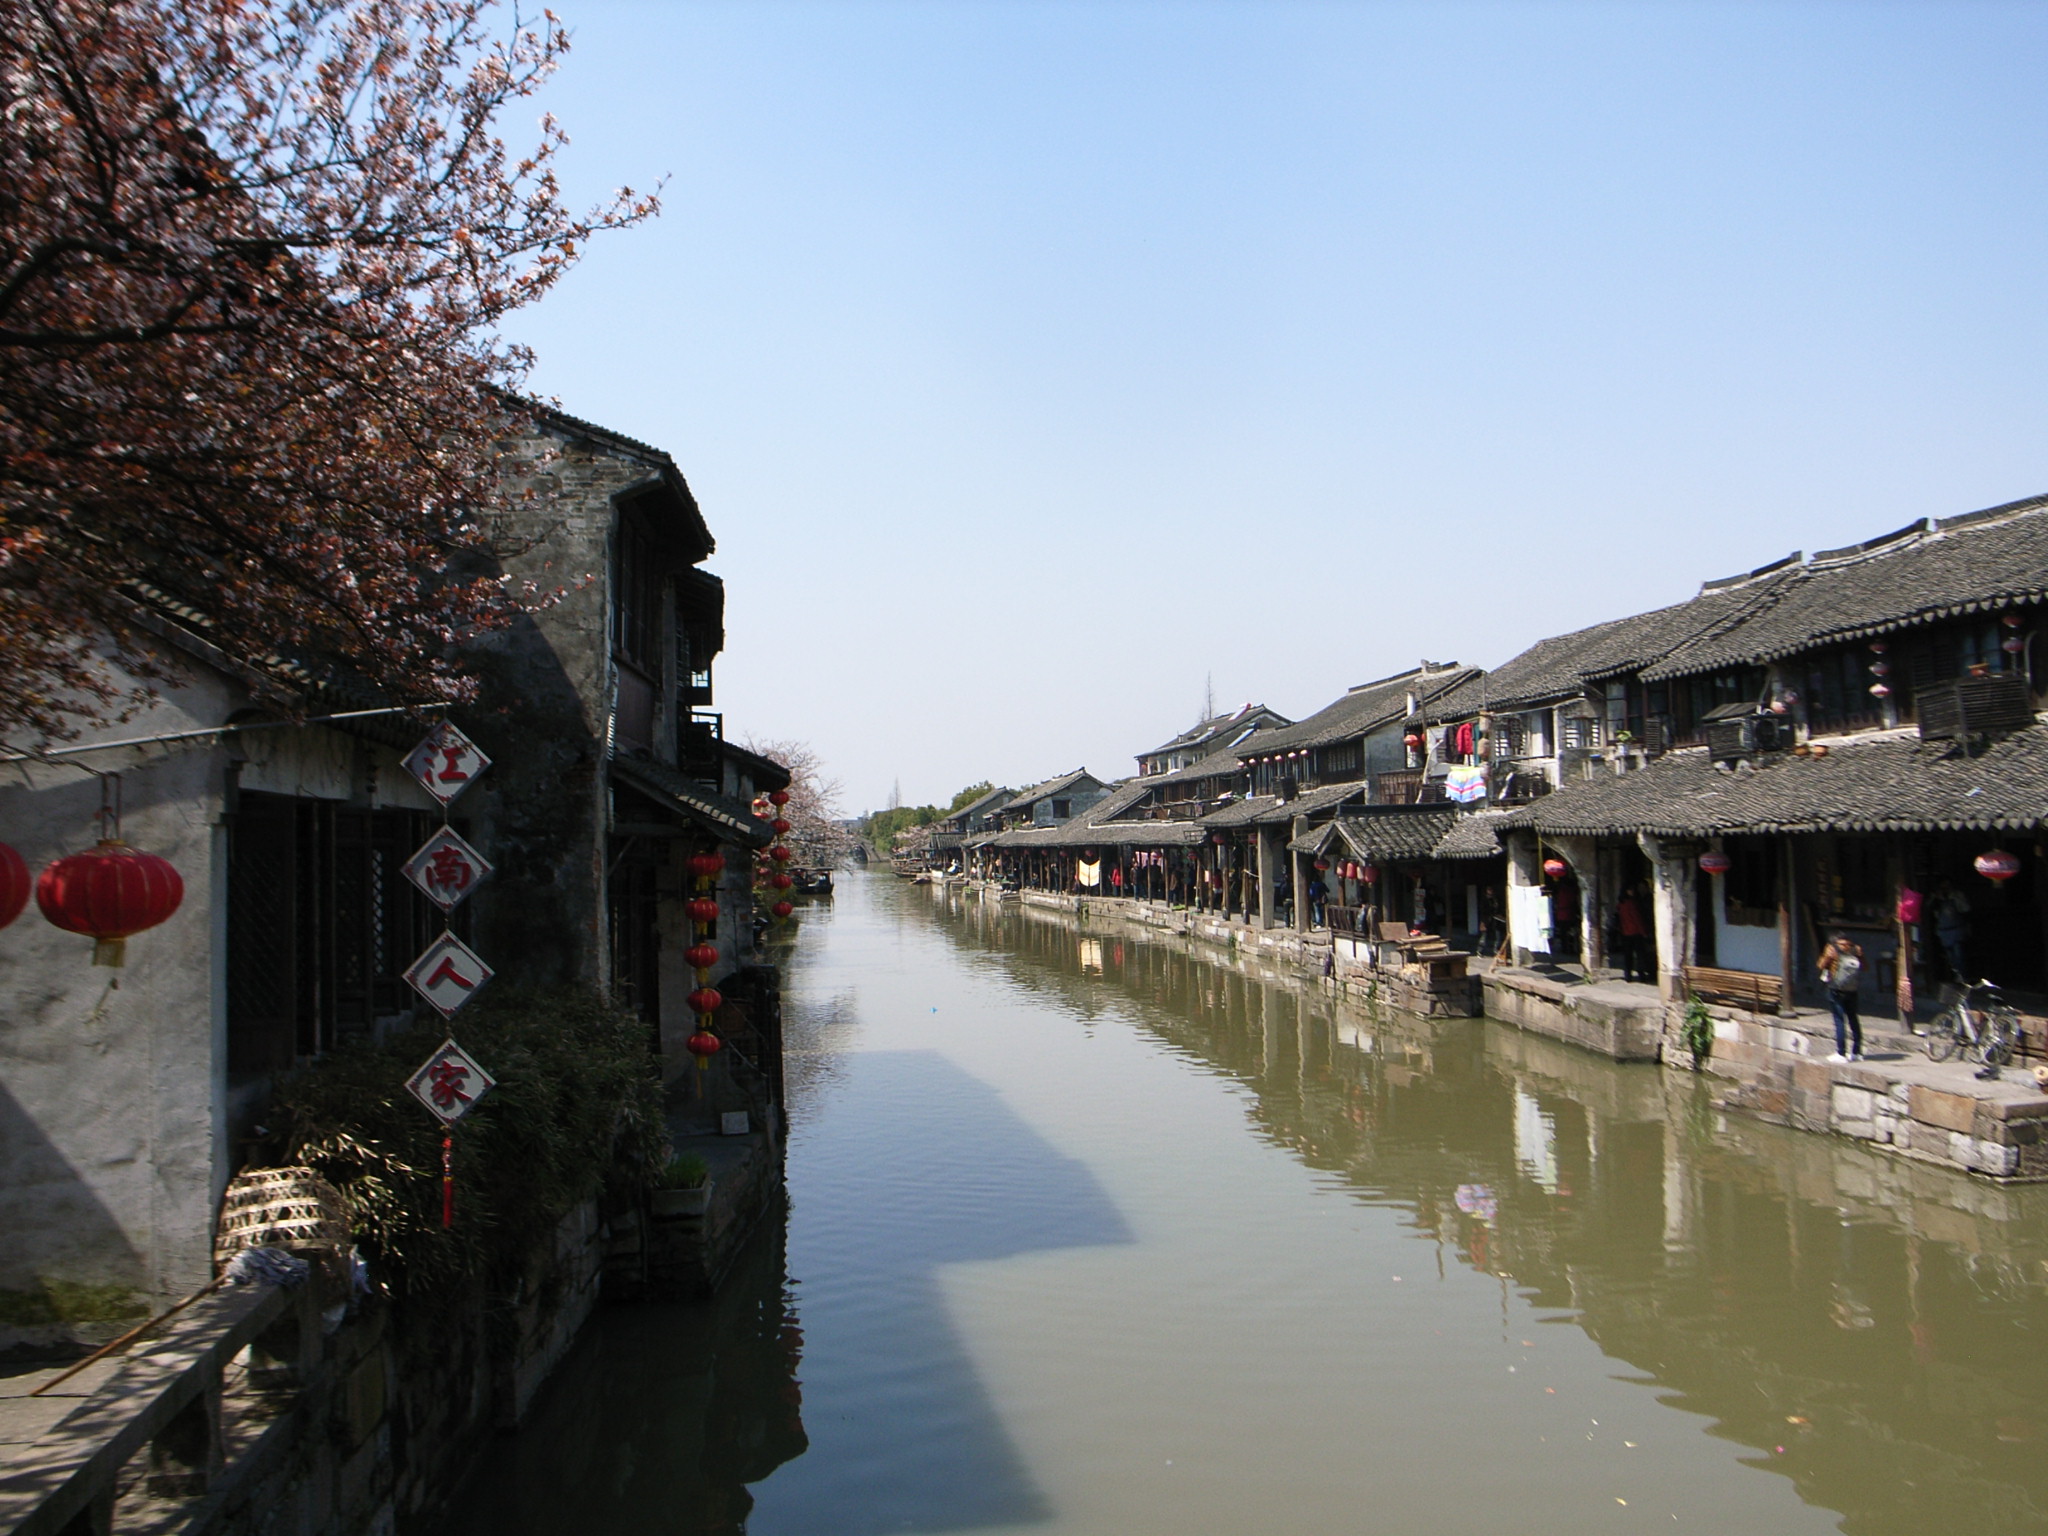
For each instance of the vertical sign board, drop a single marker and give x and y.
(449, 1083)
(446, 762)
(447, 869)
(448, 974)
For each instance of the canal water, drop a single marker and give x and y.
(1091, 1234)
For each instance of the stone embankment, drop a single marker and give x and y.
(262, 1410)
(1772, 1067)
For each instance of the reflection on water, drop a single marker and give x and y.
(1089, 1233)
(661, 1407)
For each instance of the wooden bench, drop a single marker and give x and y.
(1753, 990)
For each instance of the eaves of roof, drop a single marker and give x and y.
(1925, 572)
(727, 819)
(1359, 711)
(1889, 782)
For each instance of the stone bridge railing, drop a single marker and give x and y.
(152, 1435)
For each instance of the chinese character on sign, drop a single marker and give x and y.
(447, 869)
(448, 974)
(449, 1083)
(446, 762)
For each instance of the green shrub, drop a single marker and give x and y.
(577, 1101)
(1696, 1034)
(686, 1170)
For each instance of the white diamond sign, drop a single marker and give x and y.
(447, 869)
(446, 762)
(448, 974)
(450, 1082)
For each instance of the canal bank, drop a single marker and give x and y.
(1091, 1232)
(1773, 1066)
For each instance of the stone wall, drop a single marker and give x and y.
(1776, 1071)
(1621, 1030)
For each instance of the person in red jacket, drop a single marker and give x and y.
(1632, 935)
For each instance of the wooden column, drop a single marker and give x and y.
(1788, 943)
(1268, 868)
(1902, 987)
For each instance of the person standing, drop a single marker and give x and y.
(1841, 969)
(1632, 931)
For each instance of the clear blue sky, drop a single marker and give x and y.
(1032, 361)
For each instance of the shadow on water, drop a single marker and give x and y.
(929, 1167)
(1872, 1328)
(664, 1415)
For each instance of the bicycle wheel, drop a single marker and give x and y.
(1941, 1035)
(2001, 1034)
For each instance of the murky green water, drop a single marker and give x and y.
(1088, 1235)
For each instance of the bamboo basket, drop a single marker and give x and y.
(290, 1208)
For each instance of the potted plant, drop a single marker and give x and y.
(682, 1186)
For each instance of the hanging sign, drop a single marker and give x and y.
(448, 974)
(447, 869)
(446, 762)
(449, 1083)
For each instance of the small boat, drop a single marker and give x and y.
(812, 882)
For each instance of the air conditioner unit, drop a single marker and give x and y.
(1974, 706)
(1747, 734)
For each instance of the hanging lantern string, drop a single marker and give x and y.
(109, 814)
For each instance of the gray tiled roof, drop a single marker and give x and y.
(1889, 782)
(725, 817)
(1929, 570)
(1212, 729)
(1053, 786)
(1474, 835)
(1120, 798)
(1395, 832)
(1360, 710)
(1241, 813)
(1561, 666)
(1212, 766)
(1311, 801)
(975, 806)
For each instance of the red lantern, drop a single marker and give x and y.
(1411, 741)
(109, 893)
(14, 884)
(779, 854)
(701, 957)
(1557, 869)
(1322, 866)
(1716, 863)
(1997, 866)
(1368, 873)
(780, 797)
(703, 1045)
(783, 908)
(779, 827)
(702, 909)
(705, 1000)
(707, 866)
(781, 881)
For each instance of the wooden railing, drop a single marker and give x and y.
(1401, 788)
(166, 1397)
(1344, 919)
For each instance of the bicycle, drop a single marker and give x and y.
(1980, 1024)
